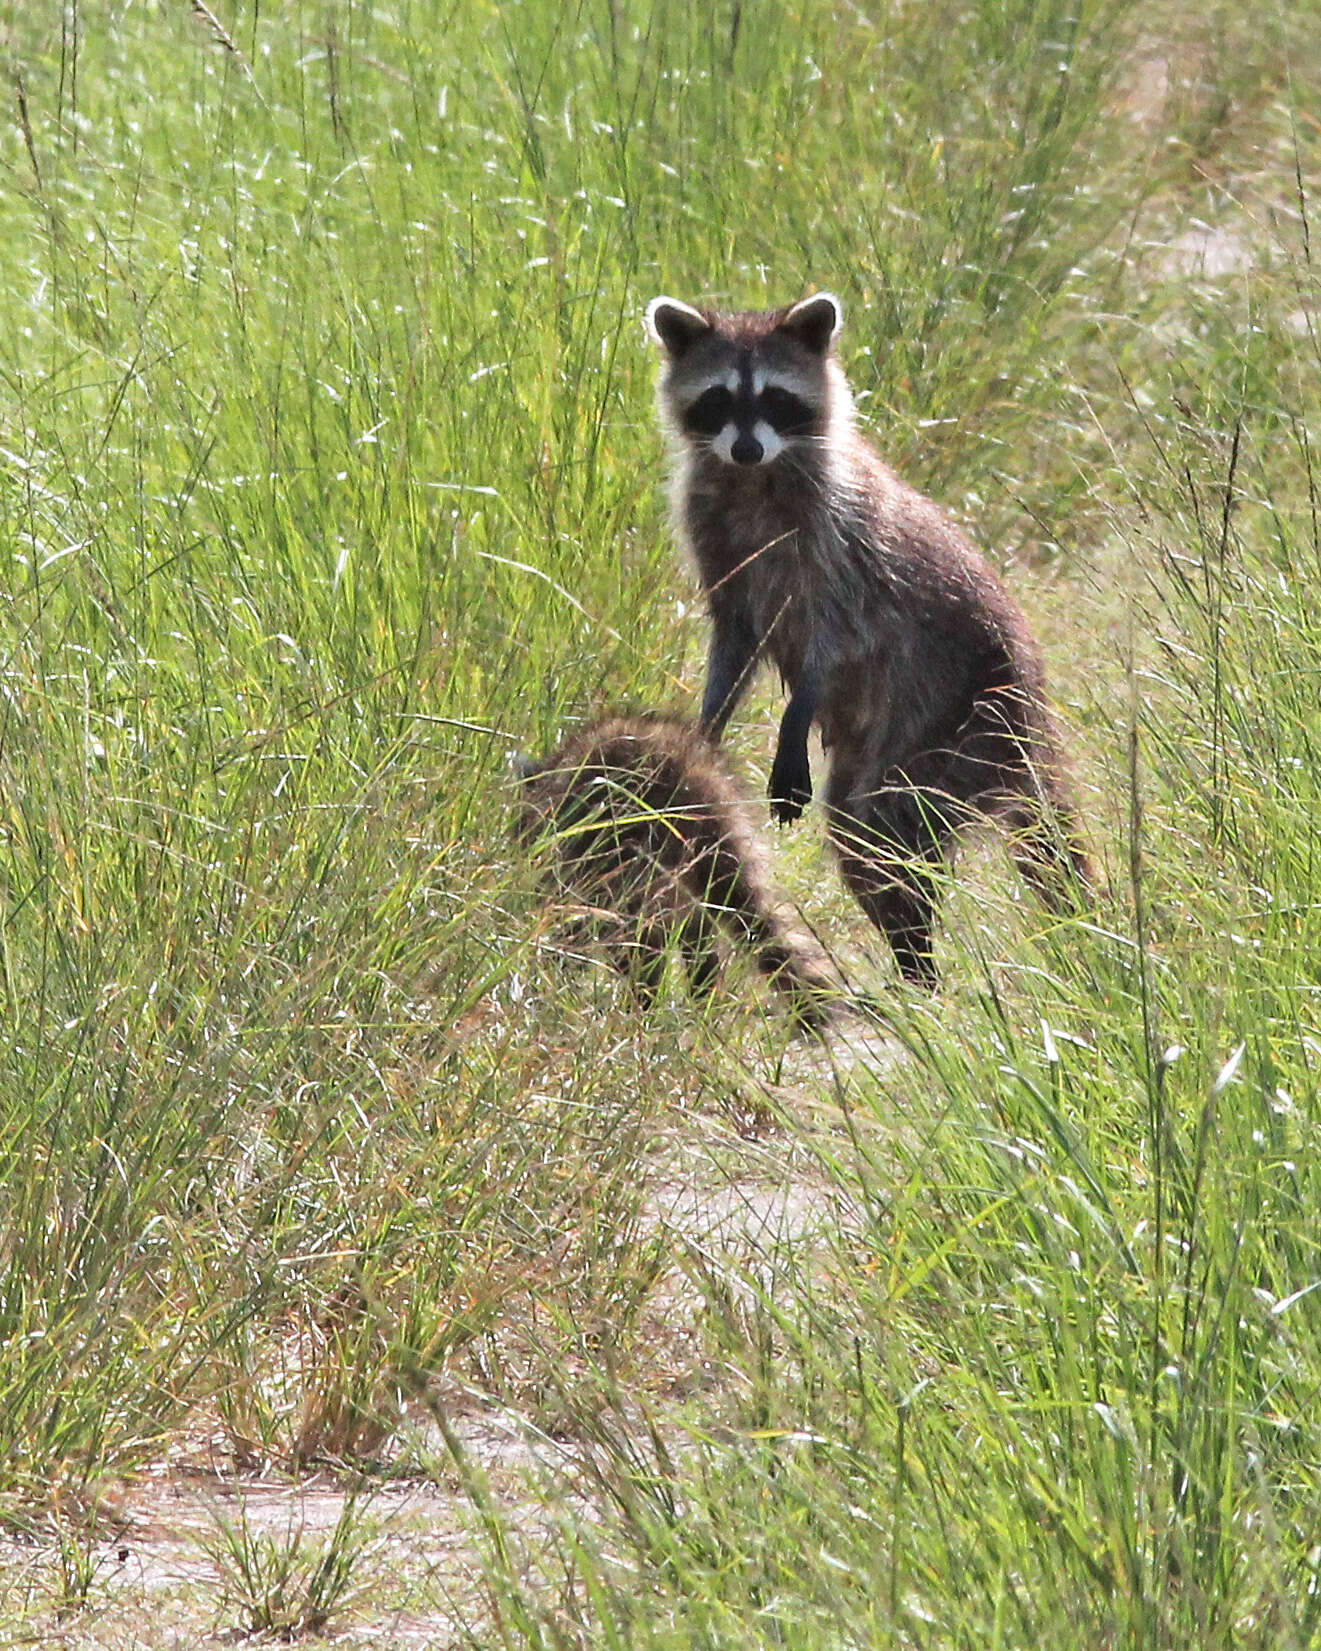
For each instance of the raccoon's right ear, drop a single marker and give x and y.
(815, 321)
(675, 326)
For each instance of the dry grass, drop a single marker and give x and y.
(330, 474)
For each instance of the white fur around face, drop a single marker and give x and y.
(771, 444)
(723, 444)
(807, 387)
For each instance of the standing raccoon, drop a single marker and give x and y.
(889, 630)
(647, 826)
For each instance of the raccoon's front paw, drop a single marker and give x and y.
(791, 786)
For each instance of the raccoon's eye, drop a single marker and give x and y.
(786, 413)
(711, 412)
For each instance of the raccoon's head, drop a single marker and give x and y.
(748, 388)
(551, 794)
(534, 793)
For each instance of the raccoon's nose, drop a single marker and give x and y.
(747, 449)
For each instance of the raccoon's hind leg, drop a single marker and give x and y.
(890, 846)
(1009, 766)
(1044, 842)
(1006, 764)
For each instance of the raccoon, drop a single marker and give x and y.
(647, 827)
(890, 632)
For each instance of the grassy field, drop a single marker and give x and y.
(457, 1301)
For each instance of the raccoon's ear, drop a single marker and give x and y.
(521, 766)
(675, 326)
(815, 322)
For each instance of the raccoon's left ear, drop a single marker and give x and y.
(675, 326)
(815, 322)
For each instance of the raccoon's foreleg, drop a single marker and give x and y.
(729, 667)
(639, 956)
(727, 883)
(791, 772)
(697, 941)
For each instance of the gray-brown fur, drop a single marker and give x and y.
(644, 825)
(890, 631)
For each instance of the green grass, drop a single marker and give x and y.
(329, 475)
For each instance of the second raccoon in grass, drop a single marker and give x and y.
(890, 631)
(645, 825)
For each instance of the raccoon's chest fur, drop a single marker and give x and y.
(792, 552)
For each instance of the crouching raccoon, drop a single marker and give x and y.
(649, 835)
